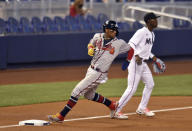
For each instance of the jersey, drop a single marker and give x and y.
(142, 42)
(106, 53)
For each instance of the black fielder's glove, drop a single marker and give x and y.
(159, 66)
(125, 65)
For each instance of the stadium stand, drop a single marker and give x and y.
(181, 24)
(101, 18)
(136, 25)
(2, 26)
(13, 23)
(51, 35)
(37, 25)
(124, 26)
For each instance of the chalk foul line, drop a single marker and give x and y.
(98, 117)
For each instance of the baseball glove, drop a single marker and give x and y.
(159, 66)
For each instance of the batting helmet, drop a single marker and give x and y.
(110, 24)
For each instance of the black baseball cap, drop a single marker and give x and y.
(149, 16)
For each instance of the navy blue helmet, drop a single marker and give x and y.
(110, 24)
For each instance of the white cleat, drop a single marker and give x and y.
(146, 112)
(119, 115)
(113, 111)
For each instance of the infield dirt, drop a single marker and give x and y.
(163, 121)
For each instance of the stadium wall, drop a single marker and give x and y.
(73, 46)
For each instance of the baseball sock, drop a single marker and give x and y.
(70, 104)
(100, 99)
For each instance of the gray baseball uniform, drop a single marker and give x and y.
(105, 53)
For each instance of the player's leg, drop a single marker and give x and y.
(94, 96)
(147, 79)
(81, 88)
(134, 75)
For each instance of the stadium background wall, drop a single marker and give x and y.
(73, 46)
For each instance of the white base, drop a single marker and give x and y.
(34, 123)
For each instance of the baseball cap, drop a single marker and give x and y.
(149, 16)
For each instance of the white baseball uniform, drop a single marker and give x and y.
(105, 53)
(141, 42)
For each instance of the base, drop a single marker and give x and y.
(34, 123)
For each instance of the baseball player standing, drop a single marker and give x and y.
(104, 47)
(142, 42)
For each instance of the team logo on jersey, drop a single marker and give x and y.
(109, 48)
(148, 41)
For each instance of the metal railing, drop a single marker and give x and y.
(165, 21)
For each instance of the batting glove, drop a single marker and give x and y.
(91, 49)
(125, 65)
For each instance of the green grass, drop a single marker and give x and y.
(21, 94)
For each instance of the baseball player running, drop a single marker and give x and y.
(142, 42)
(104, 47)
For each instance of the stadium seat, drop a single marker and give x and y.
(186, 24)
(87, 27)
(38, 28)
(12, 21)
(37, 25)
(70, 20)
(101, 18)
(75, 27)
(137, 25)
(12, 29)
(1, 31)
(49, 25)
(52, 28)
(177, 23)
(2, 25)
(91, 19)
(124, 26)
(80, 19)
(47, 20)
(27, 29)
(64, 28)
(97, 26)
(24, 21)
(36, 21)
(58, 20)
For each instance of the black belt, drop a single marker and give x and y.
(97, 69)
(145, 60)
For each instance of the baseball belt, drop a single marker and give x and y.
(97, 69)
(145, 60)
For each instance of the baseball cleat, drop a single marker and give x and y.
(56, 118)
(113, 108)
(146, 112)
(119, 115)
